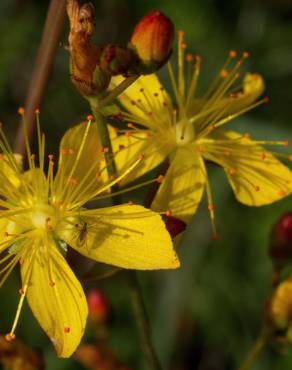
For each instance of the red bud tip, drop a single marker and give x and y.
(98, 306)
(281, 241)
(153, 37)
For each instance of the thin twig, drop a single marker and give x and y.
(254, 351)
(42, 67)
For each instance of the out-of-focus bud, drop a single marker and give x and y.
(15, 356)
(116, 60)
(94, 357)
(85, 72)
(280, 309)
(152, 41)
(174, 225)
(98, 306)
(281, 240)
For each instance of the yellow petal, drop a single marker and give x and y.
(80, 164)
(55, 296)
(129, 148)
(147, 99)
(256, 176)
(128, 236)
(183, 186)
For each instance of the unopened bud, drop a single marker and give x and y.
(98, 306)
(116, 60)
(174, 225)
(281, 240)
(280, 309)
(152, 41)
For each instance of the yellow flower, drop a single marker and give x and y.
(189, 132)
(41, 215)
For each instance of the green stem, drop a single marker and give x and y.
(117, 91)
(137, 298)
(142, 321)
(254, 352)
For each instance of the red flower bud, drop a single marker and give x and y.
(174, 225)
(152, 38)
(98, 306)
(281, 243)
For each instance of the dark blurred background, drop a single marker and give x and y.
(206, 315)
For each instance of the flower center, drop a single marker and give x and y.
(43, 217)
(184, 132)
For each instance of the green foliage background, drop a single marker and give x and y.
(206, 315)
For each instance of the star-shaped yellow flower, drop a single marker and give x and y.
(189, 133)
(41, 214)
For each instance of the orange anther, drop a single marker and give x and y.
(10, 337)
(266, 99)
(130, 202)
(73, 181)
(211, 207)
(21, 110)
(189, 57)
(141, 157)
(63, 151)
(232, 54)
(51, 157)
(264, 156)
(130, 125)
(232, 171)
(37, 111)
(21, 291)
(245, 55)
(168, 213)
(282, 193)
(104, 149)
(89, 117)
(32, 157)
(66, 329)
(52, 283)
(286, 143)
(128, 134)
(223, 73)
(160, 179)
(71, 151)
(257, 188)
